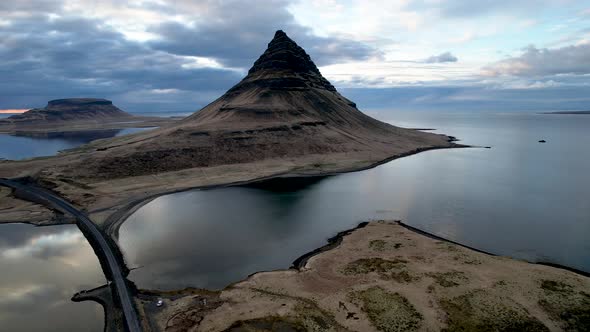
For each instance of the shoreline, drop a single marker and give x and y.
(114, 221)
(334, 241)
(83, 126)
(438, 283)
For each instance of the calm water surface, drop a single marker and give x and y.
(22, 147)
(520, 198)
(41, 268)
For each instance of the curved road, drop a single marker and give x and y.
(84, 223)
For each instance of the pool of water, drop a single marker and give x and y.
(41, 268)
(520, 198)
(23, 147)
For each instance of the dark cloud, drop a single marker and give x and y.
(238, 35)
(48, 53)
(47, 58)
(58, 56)
(536, 62)
(441, 58)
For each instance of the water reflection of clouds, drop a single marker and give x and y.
(47, 246)
(42, 267)
(23, 298)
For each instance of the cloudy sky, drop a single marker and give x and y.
(178, 55)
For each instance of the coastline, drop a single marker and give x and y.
(83, 126)
(334, 241)
(112, 223)
(115, 220)
(426, 283)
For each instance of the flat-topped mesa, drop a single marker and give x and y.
(286, 65)
(77, 102)
(71, 109)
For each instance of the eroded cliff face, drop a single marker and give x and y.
(64, 110)
(283, 109)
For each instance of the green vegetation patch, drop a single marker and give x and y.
(564, 304)
(466, 259)
(315, 319)
(556, 286)
(448, 246)
(307, 315)
(381, 245)
(375, 264)
(403, 276)
(306, 318)
(482, 311)
(472, 262)
(500, 283)
(387, 311)
(378, 245)
(270, 323)
(448, 279)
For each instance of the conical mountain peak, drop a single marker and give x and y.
(282, 113)
(285, 58)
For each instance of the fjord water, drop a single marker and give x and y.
(41, 269)
(520, 198)
(22, 147)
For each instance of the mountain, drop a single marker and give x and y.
(64, 110)
(284, 109)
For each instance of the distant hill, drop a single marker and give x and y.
(569, 112)
(284, 109)
(65, 110)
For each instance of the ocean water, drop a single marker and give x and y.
(520, 198)
(23, 147)
(41, 269)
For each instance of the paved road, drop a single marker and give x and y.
(84, 223)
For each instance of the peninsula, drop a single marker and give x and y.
(385, 276)
(283, 119)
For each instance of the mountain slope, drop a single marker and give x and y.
(283, 109)
(63, 110)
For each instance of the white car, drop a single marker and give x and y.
(159, 303)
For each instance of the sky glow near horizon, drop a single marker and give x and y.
(13, 111)
(152, 55)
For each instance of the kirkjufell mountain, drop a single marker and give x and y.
(283, 109)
